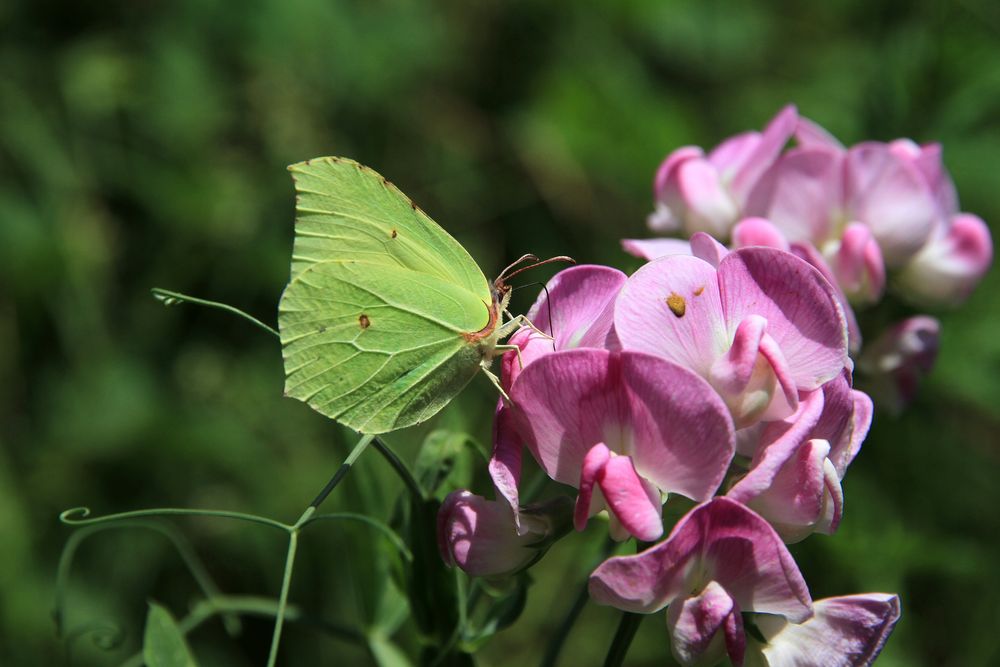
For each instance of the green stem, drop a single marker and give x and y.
(173, 298)
(78, 516)
(293, 542)
(627, 628)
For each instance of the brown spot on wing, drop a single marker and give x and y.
(394, 234)
(364, 321)
(676, 304)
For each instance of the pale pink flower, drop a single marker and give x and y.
(574, 310)
(759, 324)
(719, 561)
(624, 428)
(799, 463)
(695, 192)
(479, 535)
(847, 631)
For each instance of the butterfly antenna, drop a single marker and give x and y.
(558, 258)
(548, 307)
(523, 258)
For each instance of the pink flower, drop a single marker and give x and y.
(814, 191)
(623, 428)
(576, 310)
(946, 270)
(796, 470)
(847, 631)
(720, 560)
(894, 365)
(479, 535)
(761, 327)
(698, 193)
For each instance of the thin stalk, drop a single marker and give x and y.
(627, 628)
(169, 298)
(293, 542)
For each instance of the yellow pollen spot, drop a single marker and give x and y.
(676, 304)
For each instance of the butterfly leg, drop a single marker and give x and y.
(517, 321)
(515, 348)
(496, 383)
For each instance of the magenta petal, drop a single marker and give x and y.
(645, 321)
(650, 249)
(810, 134)
(633, 503)
(847, 631)
(833, 500)
(952, 263)
(668, 168)
(590, 474)
(579, 302)
(779, 441)
(758, 231)
(478, 536)
(808, 253)
(705, 627)
(890, 196)
(795, 501)
(732, 154)
(719, 541)
(710, 208)
(704, 246)
(858, 264)
(801, 193)
(773, 139)
(806, 323)
(673, 425)
(505, 461)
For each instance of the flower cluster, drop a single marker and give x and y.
(724, 375)
(868, 216)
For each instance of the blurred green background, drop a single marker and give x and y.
(144, 143)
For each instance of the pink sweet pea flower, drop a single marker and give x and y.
(698, 193)
(720, 560)
(894, 365)
(847, 631)
(623, 428)
(761, 327)
(951, 264)
(479, 535)
(796, 471)
(576, 310)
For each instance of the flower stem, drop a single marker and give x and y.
(293, 542)
(623, 638)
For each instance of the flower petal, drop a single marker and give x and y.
(890, 195)
(673, 425)
(758, 231)
(773, 139)
(721, 541)
(949, 267)
(805, 322)
(590, 474)
(650, 249)
(634, 503)
(575, 307)
(847, 631)
(801, 194)
(671, 307)
(695, 625)
(478, 536)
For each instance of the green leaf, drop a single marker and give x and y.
(163, 644)
(386, 653)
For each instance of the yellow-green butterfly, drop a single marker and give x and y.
(386, 317)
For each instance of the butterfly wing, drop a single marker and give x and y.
(385, 319)
(345, 210)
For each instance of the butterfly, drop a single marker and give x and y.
(386, 317)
